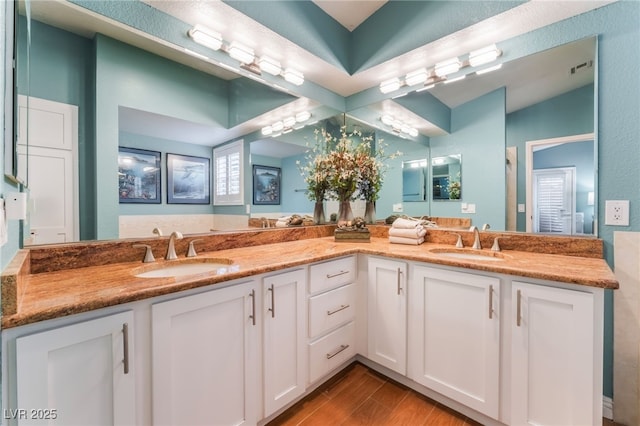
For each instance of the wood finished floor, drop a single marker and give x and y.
(360, 396)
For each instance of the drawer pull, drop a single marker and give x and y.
(342, 348)
(337, 274)
(125, 349)
(341, 308)
(519, 309)
(398, 275)
(252, 295)
(272, 309)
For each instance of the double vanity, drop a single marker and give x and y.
(259, 319)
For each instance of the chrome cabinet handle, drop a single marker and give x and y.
(342, 348)
(125, 341)
(491, 302)
(337, 274)
(341, 308)
(519, 308)
(398, 275)
(252, 295)
(273, 301)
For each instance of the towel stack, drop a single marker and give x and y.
(407, 231)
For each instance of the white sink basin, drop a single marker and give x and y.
(187, 267)
(468, 255)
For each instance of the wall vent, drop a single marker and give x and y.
(581, 67)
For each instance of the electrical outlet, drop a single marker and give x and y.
(616, 212)
(397, 208)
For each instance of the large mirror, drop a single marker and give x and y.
(527, 104)
(414, 180)
(447, 177)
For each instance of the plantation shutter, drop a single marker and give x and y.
(553, 201)
(228, 183)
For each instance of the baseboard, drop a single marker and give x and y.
(607, 407)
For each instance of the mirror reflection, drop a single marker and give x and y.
(60, 70)
(447, 177)
(414, 180)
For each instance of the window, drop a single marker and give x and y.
(228, 171)
(554, 194)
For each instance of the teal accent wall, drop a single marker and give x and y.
(164, 146)
(565, 115)
(478, 134)
(126, 76)
(292, 184)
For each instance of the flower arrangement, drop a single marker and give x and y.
(454, 190)
(344, 168)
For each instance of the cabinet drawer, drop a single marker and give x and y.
(331, 351)
(328, 275)
(330, 309)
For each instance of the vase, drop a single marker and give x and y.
(318, 213)
(370, 212)
(344, 212)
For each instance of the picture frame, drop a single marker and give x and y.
(266, 185)
(188, 179)
(139, 178)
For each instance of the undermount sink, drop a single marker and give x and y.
(490, 256)
(185, 267)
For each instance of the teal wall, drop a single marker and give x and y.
(164, 146)
(565, 115)
(478, 134)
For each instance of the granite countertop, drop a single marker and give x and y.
(49, 295)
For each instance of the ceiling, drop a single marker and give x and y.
(350, 14)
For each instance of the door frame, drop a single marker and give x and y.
(530, 146)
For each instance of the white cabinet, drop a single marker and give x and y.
(284, 339)
(454, 336)
(387, 313)
(332, 330)
(77, 374)
(205, 358)
(553, 372)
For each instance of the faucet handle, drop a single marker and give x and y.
(496, 245)
(459, 242)
(148, 254)
(192, 250)
(158, 232)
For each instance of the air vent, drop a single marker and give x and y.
(581, 67)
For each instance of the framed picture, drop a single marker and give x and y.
(138, 176)
(266, 185)
(187, 179)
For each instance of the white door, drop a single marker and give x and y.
(205, 358)
(284, 339)
(554, 195)
(454, 336)
(49, 162)
(387, 313)
(552, 359)
(83, 373)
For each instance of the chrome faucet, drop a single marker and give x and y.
(171, 250)
(476, 240)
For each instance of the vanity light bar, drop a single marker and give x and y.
(439, 73)
(286, 125)
(244, 54)
(399, 126)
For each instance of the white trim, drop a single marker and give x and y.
(607, 407)
(530, 146)
(228, 199)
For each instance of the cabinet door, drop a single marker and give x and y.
(82, 372)
(284, 339)
(387, 313)
(454, 335)
(552, 364)
(205, 358)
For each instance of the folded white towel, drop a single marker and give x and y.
(417, 232)
(402, 240)
(408, 223)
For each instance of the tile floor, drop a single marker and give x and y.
(360, 396)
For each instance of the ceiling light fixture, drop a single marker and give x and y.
(484, 55)
(293, 76)
(303, 116)
(267, 130)
(389, 86)
(206, 37)
(241, 53)
(269, 65)
(447, 67)
(286, 125)
(416, 77)
(398, 126)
